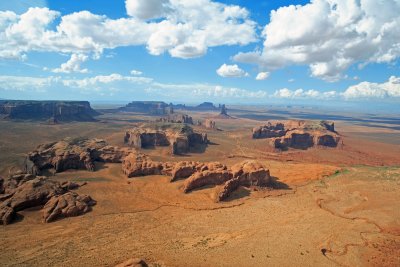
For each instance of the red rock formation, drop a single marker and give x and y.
(69, 204)
(27, 191)
(180, 138)
(298, 134)
(73, 154)
(136, 164)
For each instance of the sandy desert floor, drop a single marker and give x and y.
(330, 207)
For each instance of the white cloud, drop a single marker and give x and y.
(391, 88)
(231, 71)
(262, 76)
(24, 83)
(73, 64)
(147, 9)
(136, 72)
(187, 30)
(302, 94)
(104, 79)
(329, 36)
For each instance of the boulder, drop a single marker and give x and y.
(69, 204)
(229, 187)
(135, 262)
(7, 214)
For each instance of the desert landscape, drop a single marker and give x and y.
(199, 133)
(200, 187)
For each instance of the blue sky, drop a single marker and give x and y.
(192, 51)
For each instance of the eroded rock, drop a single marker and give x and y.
(298, 134)
(181, 138)
(78, 153)
(28, 191)
(136, 164)
(69, 204)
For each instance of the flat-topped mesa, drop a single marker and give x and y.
(298, 134)
(176, 118)
(148, 107)
(78, 153)
(180, 137)
(53, 111)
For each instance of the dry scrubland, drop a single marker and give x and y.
(330, 207)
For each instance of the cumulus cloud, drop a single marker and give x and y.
(391, 88)
(147, 9)
(73, 64)
(231, 71)
(262, 76)
(187, 30)
(329, 36)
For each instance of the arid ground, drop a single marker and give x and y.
(330, 207)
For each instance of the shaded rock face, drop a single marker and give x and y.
(224, 110)
(298, 134)
(35, 191)
(73, 154)
(53, 111)
(180, 138)
(148, 107)
(177, 118)
(69, 204)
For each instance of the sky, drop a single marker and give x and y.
(246, 52)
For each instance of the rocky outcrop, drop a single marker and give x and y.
(224, 110)
(210, 124)
(247, 173)
(176, 118)
(73, 154)
(135, 262)
(269, 130)
(136, 164)
(212, 174)
(69, 204)
(53, 111)
(298, 134)
(148, 107)
(181, 138)
(25, 191)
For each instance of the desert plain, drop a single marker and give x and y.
(324, 207)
